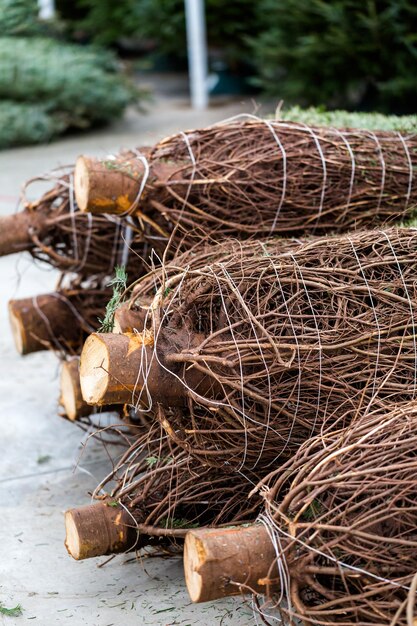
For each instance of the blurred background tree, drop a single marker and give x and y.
(18, 17)
(47, 85)
(351, 53)
(161, 24)
(340, 53)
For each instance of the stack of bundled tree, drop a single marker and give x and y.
(239, 352)
(85, 249)
(244, 355)
(236, 179)
(249, 364)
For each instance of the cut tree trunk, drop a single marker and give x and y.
(115, 369)
(108, 186)
(99, 529)
(226, 562)
(71, 398)
(43, 322)
(110, 366)
(16, 229)
(114, 186)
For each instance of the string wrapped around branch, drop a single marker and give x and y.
(160, 494)
(342, 516)
(53, 230)
(251, 355)
(259, 177)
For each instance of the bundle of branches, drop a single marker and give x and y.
(55, 231)
(259, 177)
(257, 351)
(160, 494)
(341, 520)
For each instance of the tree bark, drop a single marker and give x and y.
(228, 561)
(113, 186)
(116, 367)
(43, 322)
(127, 320)
(15, 231)
(71, 398)
(98, 529)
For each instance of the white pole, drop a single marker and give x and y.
(197, 52)
(46, 9)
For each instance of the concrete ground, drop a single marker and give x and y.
(44, 467)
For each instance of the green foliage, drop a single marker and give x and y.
(313, 511)
(316, 116)
(24, 123)
(163, 21)
(13, 612)
(340, 52)
(65, 78)
(18, 17)
(47, 86)
(107, 21)
(177, 522)
(153, 460)
(118, 283)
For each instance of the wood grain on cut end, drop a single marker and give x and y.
(97, 530)
(17, 328)
(110, 366)
(81, 183)
(107, 186)
(94, 370)
(221, 562)
(71, 397)
(194, 556)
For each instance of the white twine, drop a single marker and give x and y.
(283, 571)
(72, 215)
(278, 530)
(375, 317)
(320, 350)
(410, 169)
(383, 173)
(284, 174)
(196, 395)
(353, 165)
(127, 240)
(142, 158)
(410, 304)
(299, 386)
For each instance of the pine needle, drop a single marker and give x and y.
(13, 612)
(118, 283)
